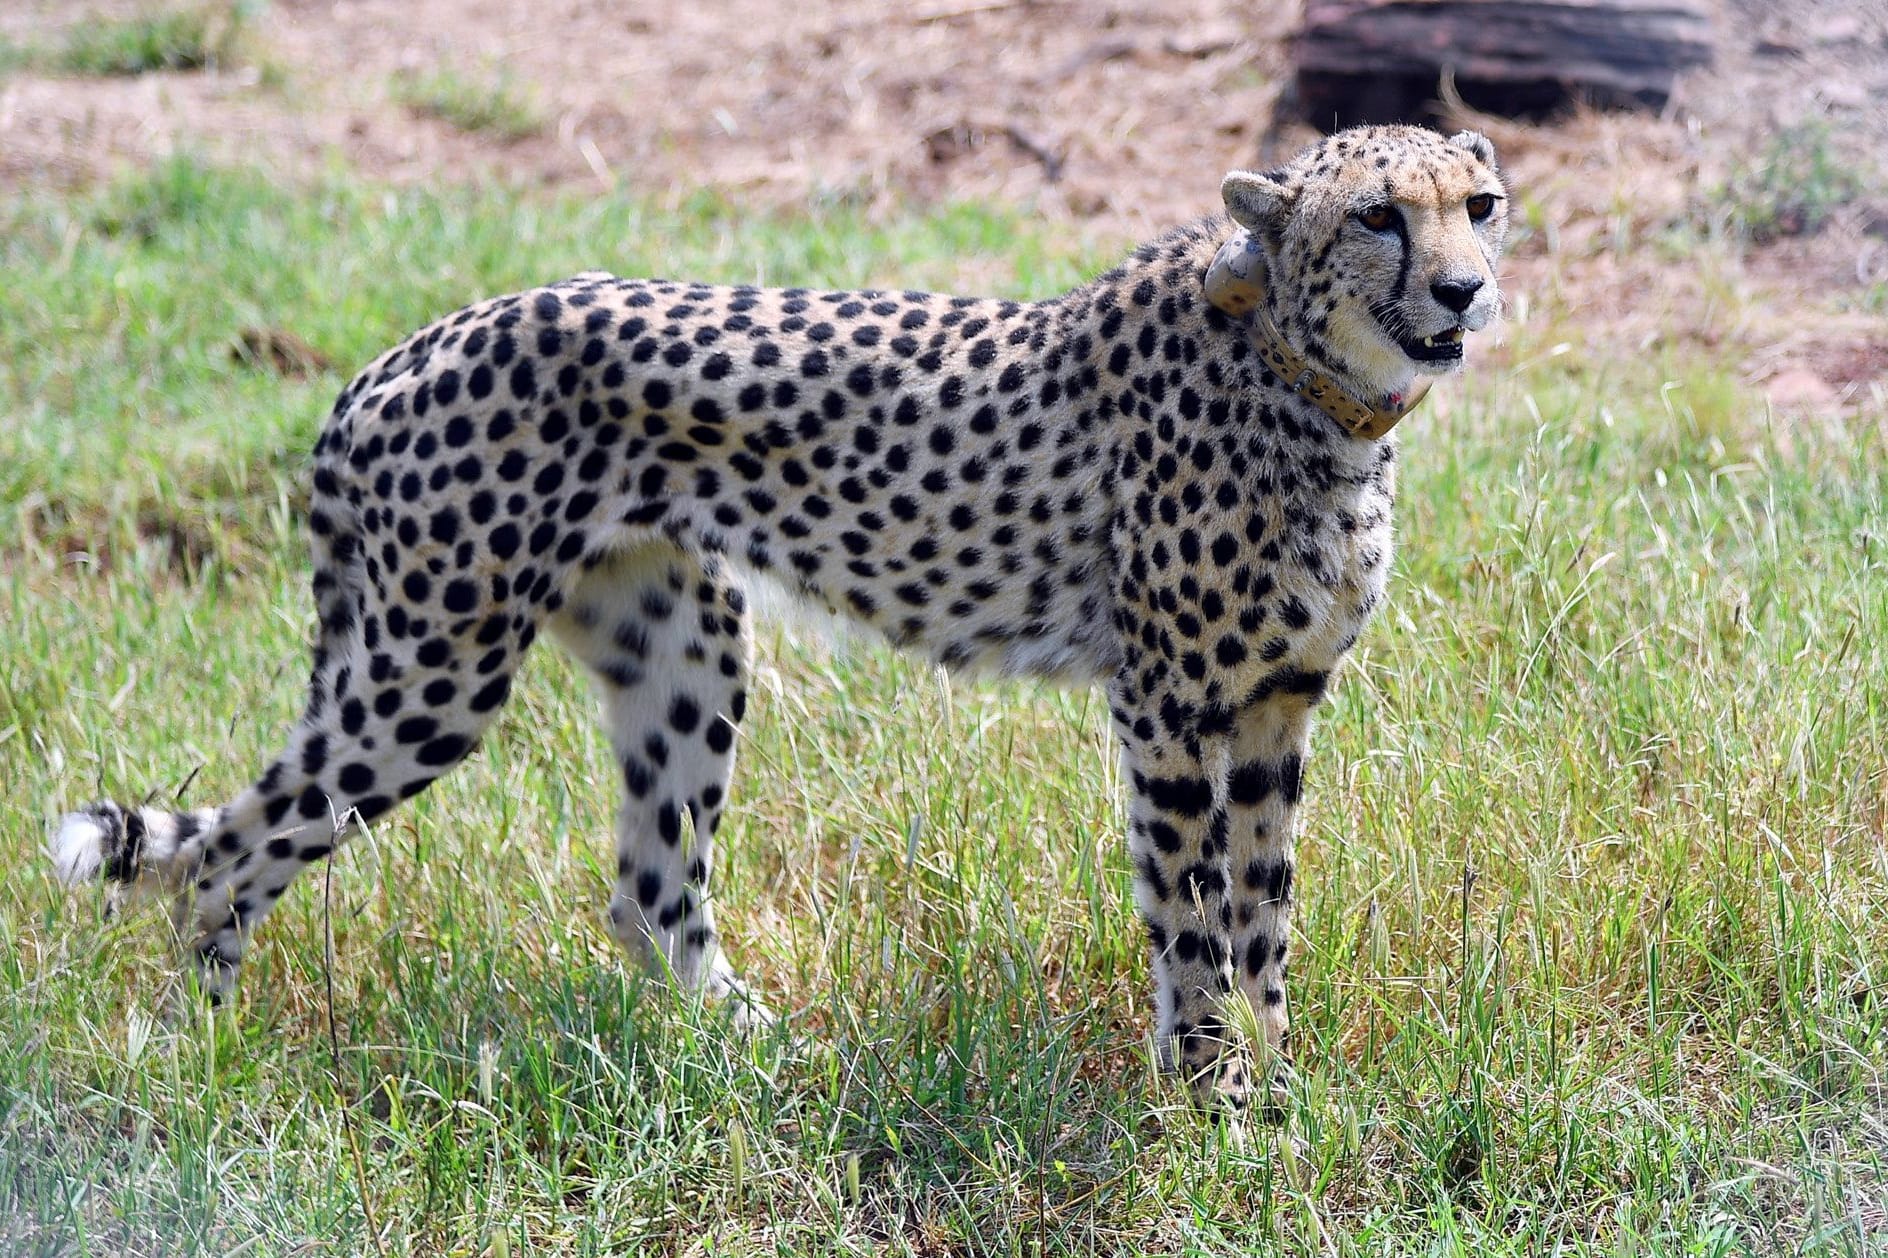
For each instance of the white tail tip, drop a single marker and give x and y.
(78, 847)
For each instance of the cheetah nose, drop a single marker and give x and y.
(1455, 294)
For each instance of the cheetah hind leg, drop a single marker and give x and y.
(382, 722)
(666, 637)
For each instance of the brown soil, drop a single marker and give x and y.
(1115, 118)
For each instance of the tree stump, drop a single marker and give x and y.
(1384, 60)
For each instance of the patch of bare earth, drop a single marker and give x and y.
(1114, 118)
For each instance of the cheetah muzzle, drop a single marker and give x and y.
(1110, 487)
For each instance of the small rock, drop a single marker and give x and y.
(1203, 41)
(1840, 94)
(1799, 389)
(1842, 28)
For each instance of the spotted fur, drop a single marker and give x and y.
(1108, 487)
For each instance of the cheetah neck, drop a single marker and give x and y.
(1235, 283)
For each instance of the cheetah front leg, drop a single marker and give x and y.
(1262, 788)
(1177, 826)
(1210, 830)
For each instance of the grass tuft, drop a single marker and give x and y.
(193, 37)
(1793, 186)
(494, 105)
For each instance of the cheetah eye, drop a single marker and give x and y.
(1378, 218)
(1480, 206)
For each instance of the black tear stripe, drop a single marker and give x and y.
(1402, 266)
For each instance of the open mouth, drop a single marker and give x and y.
(1443, 347)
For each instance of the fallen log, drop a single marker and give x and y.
(1385, 60)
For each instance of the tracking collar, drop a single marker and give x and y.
(1234, 284)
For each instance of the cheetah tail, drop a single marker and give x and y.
(138, 847)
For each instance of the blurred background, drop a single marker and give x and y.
(1113, 118)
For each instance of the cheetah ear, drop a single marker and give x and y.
(1259, 201)
(1477, 144)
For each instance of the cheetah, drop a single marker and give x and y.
(1174, 482)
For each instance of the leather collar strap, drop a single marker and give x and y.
(1234, 284)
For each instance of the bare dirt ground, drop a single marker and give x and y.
(1111, 117)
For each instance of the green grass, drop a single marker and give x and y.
(1791, 188)
(183, 37)
(492, 104)
(1594, 924)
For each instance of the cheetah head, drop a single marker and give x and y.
(1380, 246)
